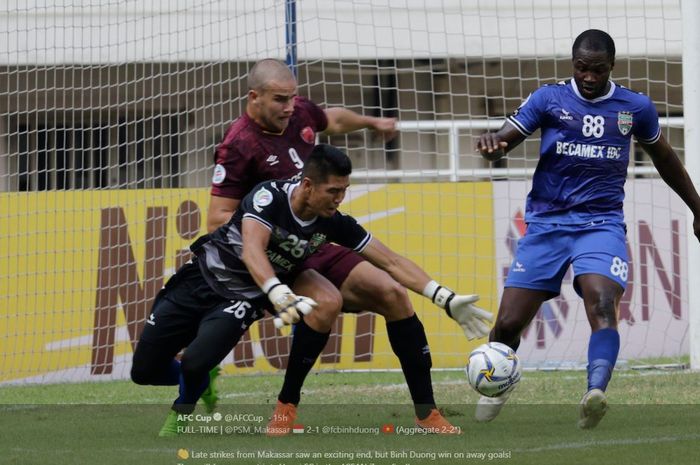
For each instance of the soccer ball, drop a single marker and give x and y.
(493, 368)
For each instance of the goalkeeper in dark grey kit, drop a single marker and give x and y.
(244, 265)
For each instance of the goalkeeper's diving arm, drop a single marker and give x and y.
(474, 321)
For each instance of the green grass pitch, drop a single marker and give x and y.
(654, 419)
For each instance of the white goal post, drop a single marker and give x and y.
(110, 113)
(691, 108)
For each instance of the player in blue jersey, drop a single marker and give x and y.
(574, 210)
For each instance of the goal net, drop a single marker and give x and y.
(111, 112)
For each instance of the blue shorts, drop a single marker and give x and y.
(546, 251)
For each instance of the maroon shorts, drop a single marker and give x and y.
(333, 262)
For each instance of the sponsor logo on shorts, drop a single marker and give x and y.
(518, 267)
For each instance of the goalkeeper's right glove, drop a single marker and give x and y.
(475, 321)
(288, 306)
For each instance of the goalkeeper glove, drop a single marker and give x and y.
(288, 306)
(474, 321)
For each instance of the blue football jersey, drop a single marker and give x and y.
(581, 173)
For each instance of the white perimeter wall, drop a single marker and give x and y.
(100, 31)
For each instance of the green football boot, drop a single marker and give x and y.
(209, 396)
(172, 426)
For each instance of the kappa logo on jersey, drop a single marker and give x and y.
(307, 135)
(624, 122)
(219, 174)
(272, 160)
(565, 115)
(262, 198)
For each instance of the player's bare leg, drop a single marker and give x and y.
(328, 298)
(601, 297)
(369, 288)
(518, 307)
(310, 337)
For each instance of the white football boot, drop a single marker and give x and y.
(592, 409)
(488, 408)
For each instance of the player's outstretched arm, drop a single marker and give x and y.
(494, 145)
(674, 174)
(474, 321)
(403, 270)
(288, 306)
(342, 121)
(220, 210)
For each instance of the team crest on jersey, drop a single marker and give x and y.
(219, 174)
(317, 240)
(624, 122)
(307, 135)
(262, 198)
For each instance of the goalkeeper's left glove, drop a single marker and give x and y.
(288, 307)
(474, 321)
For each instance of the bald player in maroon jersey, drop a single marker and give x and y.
(271, 141)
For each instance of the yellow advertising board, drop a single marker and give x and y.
(81, 269)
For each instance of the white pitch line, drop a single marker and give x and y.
(610, 442)
(16, 407)
(636, 374)
(374, 387)
(453, 382)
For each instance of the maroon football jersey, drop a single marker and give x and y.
(248, 155)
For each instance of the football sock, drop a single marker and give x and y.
(603, 348)
(172, 374)
(409, 343)
(307, 345)
(191, 388)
